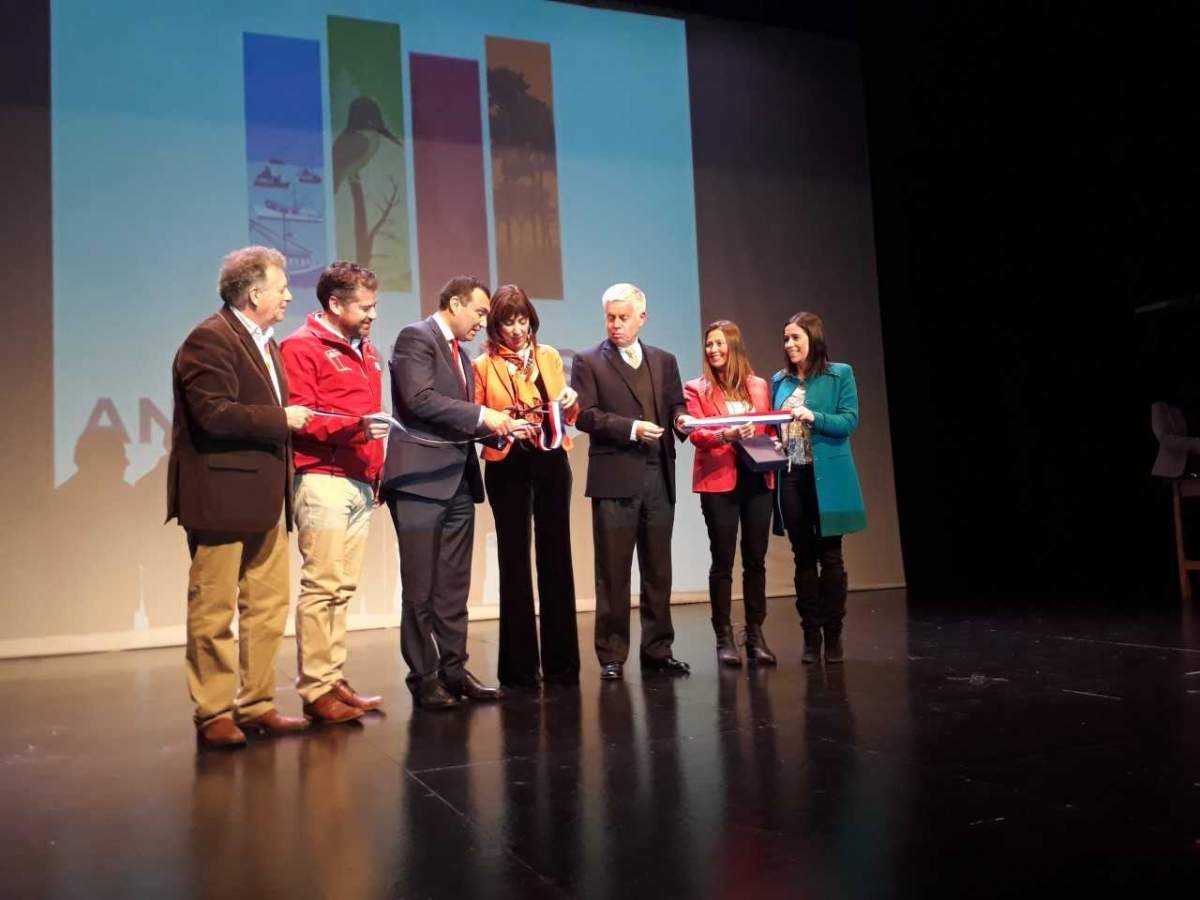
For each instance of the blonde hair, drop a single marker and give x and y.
(243, 269)
(627, 292)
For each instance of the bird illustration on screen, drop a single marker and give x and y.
(359, 142)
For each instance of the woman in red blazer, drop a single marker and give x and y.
(730, 494)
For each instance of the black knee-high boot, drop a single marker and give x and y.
(727, 654)
(808, 598)
(808, 604)
(757, 650)
(833, 611)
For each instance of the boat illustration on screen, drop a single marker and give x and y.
(301, 264)
(287, 212)
(285, 152)
(294, 212)
(268, 179)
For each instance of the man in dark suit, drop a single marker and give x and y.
(229, 483)
(431, 481)
(630, 395)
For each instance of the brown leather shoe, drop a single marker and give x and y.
(221, 733)
(429, 694)
(351, 697)
(272, 723)
(329, 710)
(471, 688)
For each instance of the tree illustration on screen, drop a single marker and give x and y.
(353, 151)
(522, 129)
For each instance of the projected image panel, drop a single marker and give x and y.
(448, 165)
(285, 152)
(524, 166)
(366, 119)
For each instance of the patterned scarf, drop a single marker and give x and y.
(523, 382)
(523, 385)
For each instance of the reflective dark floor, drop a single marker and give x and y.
(952, 755)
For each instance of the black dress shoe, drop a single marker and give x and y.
(668, 665)
(431, 695)
(612, 672)
(471, 688)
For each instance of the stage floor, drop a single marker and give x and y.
(951, 755)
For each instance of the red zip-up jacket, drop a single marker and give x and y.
(326, 375)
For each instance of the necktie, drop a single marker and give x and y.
(458, 363)
(631, 355)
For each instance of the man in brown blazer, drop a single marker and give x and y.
(229, 483)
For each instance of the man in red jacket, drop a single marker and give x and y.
(332, 364)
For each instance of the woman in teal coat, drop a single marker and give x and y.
(817, 496)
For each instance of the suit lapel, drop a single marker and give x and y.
(256, 358)
(448, 355)
(648, 360)
(500, 368)
(782, 390)
(468, 375)
(622, 368)
(718, 399)
(280, 371)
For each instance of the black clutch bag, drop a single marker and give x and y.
(760, 454)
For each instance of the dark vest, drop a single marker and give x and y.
(643, 388)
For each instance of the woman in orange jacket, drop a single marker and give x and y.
(528, 485)
(731, 494)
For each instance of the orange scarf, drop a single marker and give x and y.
(498, 387)
(524, 381)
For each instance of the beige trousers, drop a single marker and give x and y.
(247, 573)
(332, 515)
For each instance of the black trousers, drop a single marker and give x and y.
(533, 488)
(748, 504)
(435, 538)
(820, 570)
(619, 526)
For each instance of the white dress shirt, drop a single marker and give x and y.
(261, 339)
